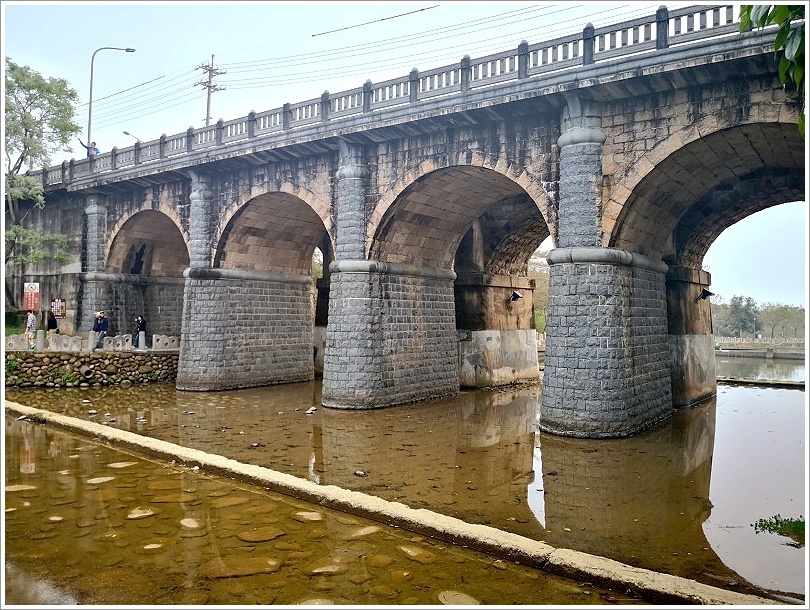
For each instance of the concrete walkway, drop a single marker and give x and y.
(653, 587)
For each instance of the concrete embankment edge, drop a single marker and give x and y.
(651, 586)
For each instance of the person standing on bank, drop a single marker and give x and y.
(140, 325)
(100, 326)
(31, 329)
(92, 151)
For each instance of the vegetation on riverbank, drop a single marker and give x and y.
(790, 528)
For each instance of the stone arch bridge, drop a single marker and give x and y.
(633, 146)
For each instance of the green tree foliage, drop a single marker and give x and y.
(38, 123)
(789, 42)
(316, 273)
(790, 528)
(743, 316)
(794, 325)
(774, 319)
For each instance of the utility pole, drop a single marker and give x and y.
(210, 86)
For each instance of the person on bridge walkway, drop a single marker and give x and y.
(92, 151)
(140, 325)
(100, 326)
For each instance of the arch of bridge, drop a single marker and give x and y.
(273, 231)
(675, 208)
(166, 253)
(503, 239)
(422, 219)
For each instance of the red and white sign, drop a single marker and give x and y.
(31, 296)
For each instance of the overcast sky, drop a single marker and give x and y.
(272, 53)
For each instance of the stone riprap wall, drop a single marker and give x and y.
(88, 369)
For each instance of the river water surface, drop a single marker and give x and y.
(681, 498)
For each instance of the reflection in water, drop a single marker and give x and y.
(93, 525)
(640, 500)
(645, 501)
(760, 368)
(759, 471)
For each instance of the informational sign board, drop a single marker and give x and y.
(58, 307)
(31, 296)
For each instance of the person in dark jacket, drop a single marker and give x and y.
(101, 326)
(53, 326)
(140, 325)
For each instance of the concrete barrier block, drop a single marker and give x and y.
(16, 342)
(165, 342)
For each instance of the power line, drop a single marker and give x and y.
(375, 21)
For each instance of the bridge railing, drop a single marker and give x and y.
(663, 30)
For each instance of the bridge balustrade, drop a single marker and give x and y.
(554, 55)
(663, 30)
(346, 103)
(269, 121)
(305, 113)
(389, 93)
(493, 69)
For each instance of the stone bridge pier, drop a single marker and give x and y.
(241, 327)
(607, 351)
(391, 336)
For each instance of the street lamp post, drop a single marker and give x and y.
(90, 105)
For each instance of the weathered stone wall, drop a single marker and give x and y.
(122, 296)
(521, 147)
(692, 365)
(88, 369)
(657, 142)
(244, 332)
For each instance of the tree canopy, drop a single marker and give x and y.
(789, 43)
(38, 122)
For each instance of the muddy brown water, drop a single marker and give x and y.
(669, 499)
(88, 524)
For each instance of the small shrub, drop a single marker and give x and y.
(12, 366)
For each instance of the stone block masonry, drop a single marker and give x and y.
(396, 324)
(245, 329)
(607, 349)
